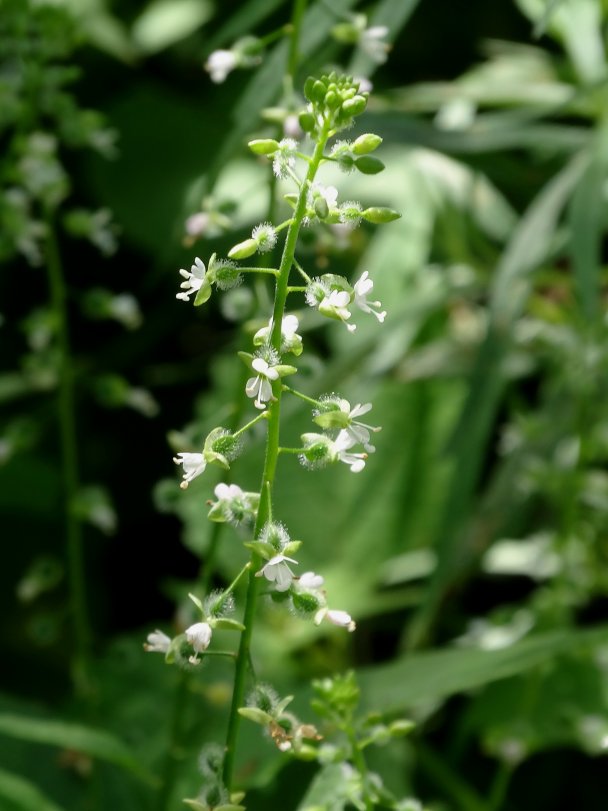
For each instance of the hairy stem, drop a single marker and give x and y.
(270, 464)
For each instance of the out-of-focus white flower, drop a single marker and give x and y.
(157, 642)
(199, 636)
(372, 43)
(340, 618)
(341, 451)
(220, 63)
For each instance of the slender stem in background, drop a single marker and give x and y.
(299, 7)
(270, 463)
(69, 461)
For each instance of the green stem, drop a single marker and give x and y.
(270, 464)
(268, 271)
(69, 454)
(262, 416)
(227, 591)
(304, 397)
(299, 7)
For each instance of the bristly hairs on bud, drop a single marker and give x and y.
(227, 275)
(275, 533)
(265, 236)
(264, 697)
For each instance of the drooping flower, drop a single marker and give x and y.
(340, 618)
(157, 642)
(220, 63)
(341, 452)
(199, 636)
(260, 386)
(310, 580)
(193, 465)
(233, 504)
(372, 43)
(362, 287)
(335, 305)
(335, 413)
(278, 572)
(195, 279)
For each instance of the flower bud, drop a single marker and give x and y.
(263, 146)
(321, 207)
(305, 603)
(318, 92)
(307, 121)
(366, 143)
(244, 249)
(368, 165)
(379, 215)
(354, 106)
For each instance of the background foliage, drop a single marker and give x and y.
(472, 550)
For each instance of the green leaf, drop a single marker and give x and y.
(23, 794)
(165, 22)
(95, 742)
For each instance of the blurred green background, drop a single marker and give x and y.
(472, 550)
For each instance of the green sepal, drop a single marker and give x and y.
(321, 208)
(263, 146)
(337, 282)
(262, 548)
(291, 199)
(333, 217)
(226, 624)
(401, 727)
(379, 215)
(332, 419)
(284, 370)
(246, 357)
(307, 753)
(256, 715)
(203, 294)
(237, 796)
(197, 603)
(216, 513)
(243, 250)
(368, 165)
(282, 706)
(291, 547)
(366, 143)
(196, 804)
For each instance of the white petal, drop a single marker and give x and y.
(259, 365)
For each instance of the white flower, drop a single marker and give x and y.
(198, 224)
(371, 43)
(193, 465)
(220, 64)
(362, 288)
(340, 618)
(226, 492)
(157, 641)
(290, 340)
(328, 193)
(260, 387)
(199, 636)
(340, 448)
(335, 305)
(358, 431)
(278, 572)
(310, 581)
(291, 126)
(195, 278)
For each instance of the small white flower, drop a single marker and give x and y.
(371, 42)
(310, 581)
(157, 641)
(340, 618)
(285, 157)
(278, 572)
(260, 386)
(328, 193)
(195, 278)
(291, 127)
(358, 431)
(290, 340)
(219, 64)
(198, 224)
(226, 492)
(336, 306)
(341, 447)
(193, 465)
(199, 636)
(362, 288)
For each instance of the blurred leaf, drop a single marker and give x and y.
(165, 22)
(23, 794)
(436, 675)
(95, 742)
(242, 21)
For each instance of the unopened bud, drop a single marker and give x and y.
(379, 215)
(263, 146)
(243, 250)
(366, 143)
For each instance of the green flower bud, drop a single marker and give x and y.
(366, 143)
(379, 215)
(346, 33)
(354, 106)
(321, 207)
(263, 146)
(256, 715)
(307, 121)
(305, 603)
(318, 92)
(368, 165)
(244, 249)
(401, 727)
(332, 100)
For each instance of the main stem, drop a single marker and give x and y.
(270, 463)
(69, 459)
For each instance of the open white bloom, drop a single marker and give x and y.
(362, 287)
(278, 572)
(341, 447)
(358, 431)
(219, 64)
(157, 641)
(198, 224)
(371, 42)
(260, 386)
(199, 636)
(195, 278)
(340, 618)
(193, 465)
(228, 492)
(310, 581)
(335, 305)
